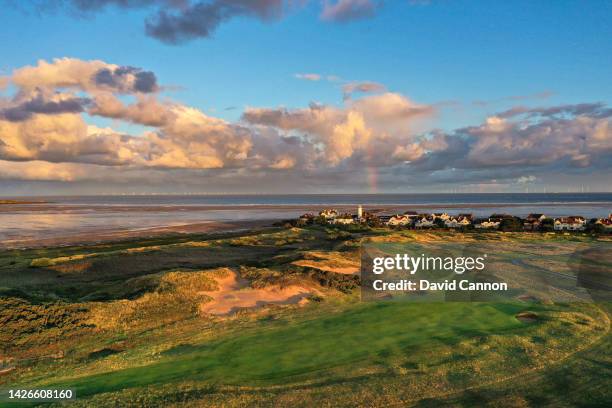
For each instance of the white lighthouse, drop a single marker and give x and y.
(360, 212)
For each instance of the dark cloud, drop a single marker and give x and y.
(202, 18)
(24, 110)
(598, 110)
(127, 79)
(364, 87)
(514, 98)
(178, 21)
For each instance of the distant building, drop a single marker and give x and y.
(344, 219)
(605, 222)
(360, 212)
(307, 218)
(329, 214)
(441, 216)
(399, 220)
(533, 222)
(489, 223)
(425, 221)
(411, 214)
(467, 215)
(573, 223)
(535, 216)
(457, 222)
(384, 219)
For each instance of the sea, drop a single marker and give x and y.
(57, 216)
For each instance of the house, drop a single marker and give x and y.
(469, 216)
(399, 220)
(605, 222)
(344, 219)
(424, 221)
(307, 218)
(457, 222)
(442, 216)
(328, 214)
(538, 217)
(533, 221)
(411, 214)
(384, 219)
(572, 223)
(489, 223)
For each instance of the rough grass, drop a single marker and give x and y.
(120, 323)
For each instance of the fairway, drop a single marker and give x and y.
(368, 333)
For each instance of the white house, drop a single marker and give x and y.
(443, 216)
(490, 223)
(399, 220)
(458, 222)
(573, 223)
(426, 221)
(343, 219)
(606, 222)
(328, 214)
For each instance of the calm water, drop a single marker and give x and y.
(335, 199)
(68, 215)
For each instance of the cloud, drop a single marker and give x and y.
(147, 110)
(590, 109)
(348, 10)
(366, 129)
(126, 79)
(91, 76)
(179, 21)
(309, 77)
(57, 104)
(44, 131)
(579, 140)
(350, 88)
(39, 171)
(201, 19)
(515, 98)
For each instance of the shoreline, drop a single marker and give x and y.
(46, 207)
(108, 236)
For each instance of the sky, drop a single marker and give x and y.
(304, 96)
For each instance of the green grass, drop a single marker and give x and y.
(370, 333)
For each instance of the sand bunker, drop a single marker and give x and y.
(527, 317)
(234, 293)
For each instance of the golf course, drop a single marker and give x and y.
(131, 323)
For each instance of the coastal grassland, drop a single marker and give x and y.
(123, 325)
(430, 350)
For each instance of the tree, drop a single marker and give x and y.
(547, 224)
(511, 224)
